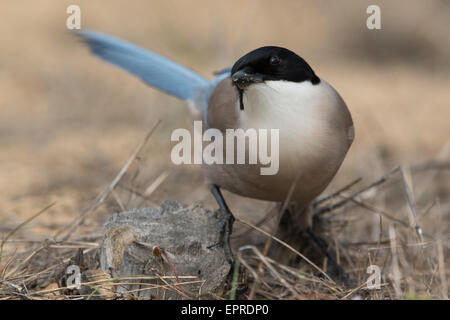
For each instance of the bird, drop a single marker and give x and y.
(267, 88)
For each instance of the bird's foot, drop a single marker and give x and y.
(226, 228)
(337, 270)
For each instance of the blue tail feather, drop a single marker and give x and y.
(152, 68)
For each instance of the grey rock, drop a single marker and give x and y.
(157, 242)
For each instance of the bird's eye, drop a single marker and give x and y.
(274, 60)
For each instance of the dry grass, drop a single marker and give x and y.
(69, 123)
(412, 261)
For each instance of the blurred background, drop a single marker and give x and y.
(69, 122)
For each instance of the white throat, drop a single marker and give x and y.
(286, 106)
(302, 112)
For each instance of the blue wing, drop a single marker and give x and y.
(152, 68)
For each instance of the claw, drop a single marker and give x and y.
(226, 225)
(337, 269)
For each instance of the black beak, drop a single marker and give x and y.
(243, 78)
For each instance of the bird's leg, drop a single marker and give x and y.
(336, 268)
(226, 224)
(296, 228)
